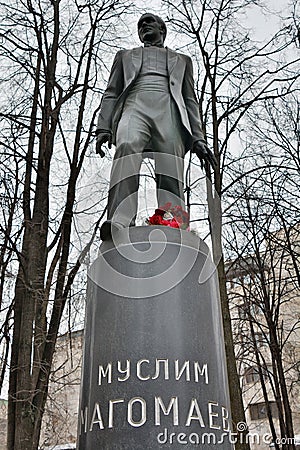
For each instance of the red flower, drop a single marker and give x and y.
(174, 224)
(156, 219)
(179, 220)
(177, 217)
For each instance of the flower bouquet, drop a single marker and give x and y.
(170, 216)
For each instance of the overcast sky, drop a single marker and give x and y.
(263, 24)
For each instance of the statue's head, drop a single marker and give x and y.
(151, 28)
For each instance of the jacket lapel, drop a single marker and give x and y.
(136, 59)
(171, 59)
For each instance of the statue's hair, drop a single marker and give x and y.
(159, 20)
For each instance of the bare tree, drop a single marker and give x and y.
(238, 75)
(10, 233)
(266, 249)
(54, 53)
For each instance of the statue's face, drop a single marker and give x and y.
(149, 29)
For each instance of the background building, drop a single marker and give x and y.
(265, 308)
(59, 431)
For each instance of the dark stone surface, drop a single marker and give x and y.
(154, 298)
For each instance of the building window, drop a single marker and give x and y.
(252, 374)
(259, 411)
(248, 310)
(260, 339)
(243, 313)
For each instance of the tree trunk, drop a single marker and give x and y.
(237, 407)
(235, 392)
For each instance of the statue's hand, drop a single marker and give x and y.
(204, 154)
(102, 137)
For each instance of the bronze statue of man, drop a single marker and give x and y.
(149, 106)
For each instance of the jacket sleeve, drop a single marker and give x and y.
(111, 95)
(191, 102)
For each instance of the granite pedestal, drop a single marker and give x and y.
(154, 372)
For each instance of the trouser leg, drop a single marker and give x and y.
(132, 135)
(122, 196)
(169, 185)
(169, 156)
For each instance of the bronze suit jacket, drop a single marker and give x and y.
(125, 69)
